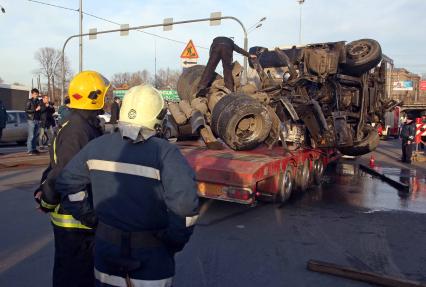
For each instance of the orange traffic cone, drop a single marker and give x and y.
(372, 161)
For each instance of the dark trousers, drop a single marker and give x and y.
(73, 265)
(218, 52)
(407, 151)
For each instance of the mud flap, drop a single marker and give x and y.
(342, 130)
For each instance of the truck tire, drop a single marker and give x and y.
(244, 124)
(188, 82)
(303, 176)
(366, 145)
(285, 186)
(318, 171)
(218, 109)
(361, 56)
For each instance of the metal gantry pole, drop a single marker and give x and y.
(152, 26)
(80, 46)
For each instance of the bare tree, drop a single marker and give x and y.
(167, 79)
(131, 79)
(51, 68)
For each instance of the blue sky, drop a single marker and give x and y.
(26, 26)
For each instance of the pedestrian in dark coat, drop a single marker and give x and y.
(115, 111)
(32, 109)
(408, 133)
(47, 122)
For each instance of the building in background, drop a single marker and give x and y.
(14, 97)
(405, 86)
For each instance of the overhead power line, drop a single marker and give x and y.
(113, 22)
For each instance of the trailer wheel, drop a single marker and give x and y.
(285, 186)
(244, 124)
(218, 109)
(361, 56)
(318, 171)
(302, 176)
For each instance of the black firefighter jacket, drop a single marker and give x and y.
(81, 127)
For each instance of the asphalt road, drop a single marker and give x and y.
(11, 148)
(353, 219)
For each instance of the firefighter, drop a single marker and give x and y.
(408, 133)
(143, 192)
(73, 264)
(222, 48)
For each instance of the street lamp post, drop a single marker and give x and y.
(300, 21)
(81, 37)
(127, 28)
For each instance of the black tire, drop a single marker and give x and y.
(285, 186)
(361, 56)
(188, 82)
(21, 142)
(303, 176)
(368, 144)
(318, 171)
(218, 109)
(244, 124)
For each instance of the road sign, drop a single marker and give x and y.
(189, 52)
(186, 63)
(170, 95)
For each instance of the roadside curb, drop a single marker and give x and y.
(22, 159)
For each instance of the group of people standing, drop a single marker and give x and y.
(40, 121)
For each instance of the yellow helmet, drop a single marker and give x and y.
(87, 91)
(143, 106)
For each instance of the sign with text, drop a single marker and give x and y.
(403, 85)
(422, 85)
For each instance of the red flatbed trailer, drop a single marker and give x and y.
(262, 173)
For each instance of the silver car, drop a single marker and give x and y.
(16, 129)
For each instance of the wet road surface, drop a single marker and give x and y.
(353, 219)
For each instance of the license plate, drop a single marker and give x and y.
(209, 189)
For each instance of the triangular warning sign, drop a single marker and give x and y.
(189, 52)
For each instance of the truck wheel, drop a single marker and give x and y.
(244, 123)
(285, 186)
(218, 109)
(361, 56)
(318, 171)
(368, 144)
(302, 176)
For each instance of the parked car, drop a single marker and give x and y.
(16, 129)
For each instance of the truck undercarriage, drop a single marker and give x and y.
(325, 95)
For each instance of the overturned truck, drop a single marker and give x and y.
(326, 95)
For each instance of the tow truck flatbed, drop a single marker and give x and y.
(246, 176)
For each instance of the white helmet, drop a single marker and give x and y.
(142, 106)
